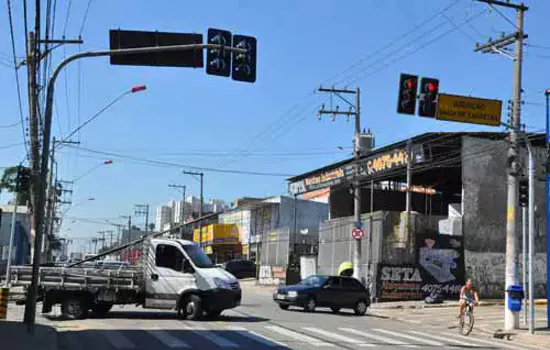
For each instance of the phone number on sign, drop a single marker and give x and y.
(447, 289)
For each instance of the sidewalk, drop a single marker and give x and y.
(14, 336)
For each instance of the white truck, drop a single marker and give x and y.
(172, 274)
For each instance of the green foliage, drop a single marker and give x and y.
(8, 182)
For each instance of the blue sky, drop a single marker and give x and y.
(189, 118)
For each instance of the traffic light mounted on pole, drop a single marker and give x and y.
(218, 61)
(244, 64)
(408, 85)
(523, 192)
(429, 88)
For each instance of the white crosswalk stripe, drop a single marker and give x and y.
(213, 337)
(167, 339)
(338, 337)
(379, 338)
(444, 339)
(257, 337)
(406, 336)
(298, 336)
(118, 340)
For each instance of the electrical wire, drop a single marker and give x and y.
(85, 18)
(17, 82)
(10, 125)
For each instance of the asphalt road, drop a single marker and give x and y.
(259, 324)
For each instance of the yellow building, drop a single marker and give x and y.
(219, 241)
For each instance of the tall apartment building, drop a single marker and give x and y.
(164, 217)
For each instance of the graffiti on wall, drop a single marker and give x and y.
(487, 271)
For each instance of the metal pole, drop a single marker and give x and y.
(524, 256)
(51, 194)
(547, 93)
(369, 238)
(200, 210)
(408, 193)
(511, 319)
(531, 237)
(10, 246)
(146, 218)
(357, 270)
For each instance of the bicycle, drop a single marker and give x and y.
(464, 327)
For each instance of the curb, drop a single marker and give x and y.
(380, 306)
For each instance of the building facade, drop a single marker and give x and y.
(21, 247)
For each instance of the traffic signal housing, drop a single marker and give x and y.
(244, 64)
(218, 61)
(523, 192)
(406, 102)
(429, 88)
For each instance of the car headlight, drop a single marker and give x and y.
(293, 294)
(222, 284)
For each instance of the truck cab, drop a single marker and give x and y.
(178, 275)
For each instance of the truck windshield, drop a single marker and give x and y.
(196, 254)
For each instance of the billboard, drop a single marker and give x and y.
(467, 109)
(439, 268)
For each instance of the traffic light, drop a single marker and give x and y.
(218, 61)
(244, 64)
(406, 102)
(523, 192)
(429, 88)
(23, 179)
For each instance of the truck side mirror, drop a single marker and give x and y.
(187, 268)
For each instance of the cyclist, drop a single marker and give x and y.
(467, 294)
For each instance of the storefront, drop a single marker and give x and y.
(220, 242)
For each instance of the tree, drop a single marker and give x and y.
(8, 182)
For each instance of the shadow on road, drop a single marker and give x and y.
(161, 339)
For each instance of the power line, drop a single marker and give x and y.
(18, 85)
(85, 18)
(175, 165)
(10, 125)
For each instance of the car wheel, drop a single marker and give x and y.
(73, 309)
(360, 308)
(284, 306)
(192, 308)
(311, 304)
(335, 309)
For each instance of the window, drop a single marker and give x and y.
(334, 282)
(198, 257)
(169, 256)
(352, 284)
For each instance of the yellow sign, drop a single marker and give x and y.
(469, 110)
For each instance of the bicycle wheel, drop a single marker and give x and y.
(467, 323)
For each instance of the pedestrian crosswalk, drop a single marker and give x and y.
(275, 336)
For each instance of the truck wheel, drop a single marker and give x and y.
(192, 309)
(73, 309)
(101, 309)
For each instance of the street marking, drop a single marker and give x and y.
(502, 344)
(379, 338)
(298, 336)
(399, 335)
(339, 337)
(257, 337)
(118, 340)
(167, 339)
(459, 342)
(213, 337)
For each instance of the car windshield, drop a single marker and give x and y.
(314, 281)
(198, 257)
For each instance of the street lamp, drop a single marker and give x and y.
(133, 90)
(106, 162)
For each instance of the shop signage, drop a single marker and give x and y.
(439, 268)
(371, 166)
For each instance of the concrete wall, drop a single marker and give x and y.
(484, 218)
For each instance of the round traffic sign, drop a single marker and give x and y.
(357, 233)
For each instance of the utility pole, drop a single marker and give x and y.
(201, 202)
(354, 110)
(102, 239)
(182, 211)
(511, 319)
(110, 232)
(143, 210)
(129, 217)
(408, 194)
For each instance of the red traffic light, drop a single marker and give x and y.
(408, 84)
(139, 88)
(108, 162)
(431, 87)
